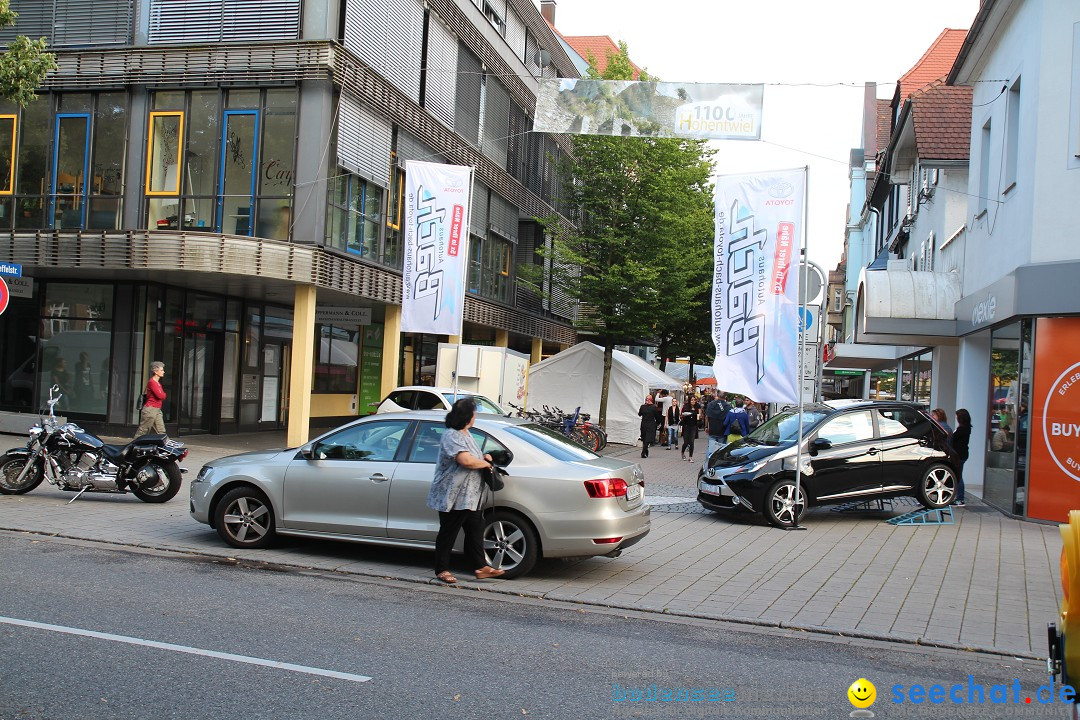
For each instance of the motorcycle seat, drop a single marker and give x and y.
(114, 453)
(149, 440)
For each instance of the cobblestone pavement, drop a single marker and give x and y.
(987, 582)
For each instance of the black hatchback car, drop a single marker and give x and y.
(852, 450)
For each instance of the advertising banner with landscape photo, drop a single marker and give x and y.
(712, 111)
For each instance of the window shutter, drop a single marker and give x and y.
(185, 21)
(478, 222)
(410, 147)
(365, 31)
(260, 20)
(405, 31)
(363, 141)
(515, 33)
(467, 111)
(90, 22)
(441, 91)
(35, 20)
(496, 119)
(504, 217)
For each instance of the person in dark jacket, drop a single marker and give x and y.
(650, 420)
(673, 418)
(689, 425)
(959, 441)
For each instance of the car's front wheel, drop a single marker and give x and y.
(244, 518)
(510, 543)
(938, 486)
(781, 508)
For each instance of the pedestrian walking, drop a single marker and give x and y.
(959, 441)
(650, 420)
(688, 423)
(456, 492)
(737, 425)
(664, 402)
(715, 417)
(674, 416)
(753, 415)
(150, 417)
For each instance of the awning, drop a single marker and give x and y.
(859, 356)
(906, 307)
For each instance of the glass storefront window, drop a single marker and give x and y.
(354, 216)
(336, 352)
(163, 153)
(30, 174)
(8, 125)
(922, 376)
(75, 342)
(1000, 434)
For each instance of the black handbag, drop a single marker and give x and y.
(490, 476)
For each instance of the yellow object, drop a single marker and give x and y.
(303, 365)
(391, 351)
(1070, 584)
(862, 693)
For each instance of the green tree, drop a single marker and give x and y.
(638, 256)
(24, 65)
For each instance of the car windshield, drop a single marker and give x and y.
(483, 405)
(784, 426)
(551, 442)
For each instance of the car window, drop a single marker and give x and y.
(404, 398)
(848, 427)
(551, 443)
(483, 405)
(425, 447)
(366, 441)
(485, 442)
(899, 421)
(784, 427)
(428, 401)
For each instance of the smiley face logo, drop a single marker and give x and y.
(862, 693)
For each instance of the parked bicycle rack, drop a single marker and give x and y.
(940, 516)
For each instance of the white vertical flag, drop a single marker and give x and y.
(759, 228)
(436, 228)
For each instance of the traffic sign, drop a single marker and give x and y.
(13, 269)
(4, 295)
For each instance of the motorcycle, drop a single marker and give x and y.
(72, 459)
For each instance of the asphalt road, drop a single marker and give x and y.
(429, 652)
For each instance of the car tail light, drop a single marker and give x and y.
(607, 541)
(606, 487)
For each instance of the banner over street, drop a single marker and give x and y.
(713, 111)
(755, 322)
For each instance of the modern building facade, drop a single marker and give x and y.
(218, 185)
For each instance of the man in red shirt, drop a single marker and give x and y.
(151, 418)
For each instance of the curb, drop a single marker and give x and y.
(650, 610)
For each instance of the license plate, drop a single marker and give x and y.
(709, 488)
(633, 493)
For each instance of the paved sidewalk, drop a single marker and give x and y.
(987, 582)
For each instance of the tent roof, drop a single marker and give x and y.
(628, 362)
(681, 371)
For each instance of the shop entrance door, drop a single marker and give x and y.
(275, 385)
(200, 408)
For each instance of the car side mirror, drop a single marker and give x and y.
(502, 458)
(308, 451)
(819, 444)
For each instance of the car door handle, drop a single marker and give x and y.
(378, 477)
(872, 451)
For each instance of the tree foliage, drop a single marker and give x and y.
(637, 260)
(24, 65)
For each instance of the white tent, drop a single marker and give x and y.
(575, 376)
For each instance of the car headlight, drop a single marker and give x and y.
(204, 474)
(639, 474)
(750, 467)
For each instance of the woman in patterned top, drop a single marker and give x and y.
(456, 493)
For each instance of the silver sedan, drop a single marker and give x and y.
(368, 482)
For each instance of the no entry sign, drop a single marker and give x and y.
(4, 296)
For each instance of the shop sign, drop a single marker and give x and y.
(343, 316)
(1054, 477)
(20, 287)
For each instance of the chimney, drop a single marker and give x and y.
(547, 9)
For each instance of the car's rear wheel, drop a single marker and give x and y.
(938, 486)
(244, 518)
(510, 543)
(781, 509)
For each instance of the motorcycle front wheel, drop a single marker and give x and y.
(157, 482)
(11, 466)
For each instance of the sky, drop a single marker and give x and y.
(813, 58)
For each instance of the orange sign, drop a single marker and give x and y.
(1054, 473)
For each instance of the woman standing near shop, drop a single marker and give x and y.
(456, 492)
(959, 440)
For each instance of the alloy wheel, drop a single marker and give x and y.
(505, 545)
(247, 515)
(784, 505)
(939, 486)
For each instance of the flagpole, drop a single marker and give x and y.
(465, 289)
(800, 344)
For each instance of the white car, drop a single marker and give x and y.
(422, 397)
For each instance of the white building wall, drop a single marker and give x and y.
(973, 393)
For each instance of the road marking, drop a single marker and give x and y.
(185, 649)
